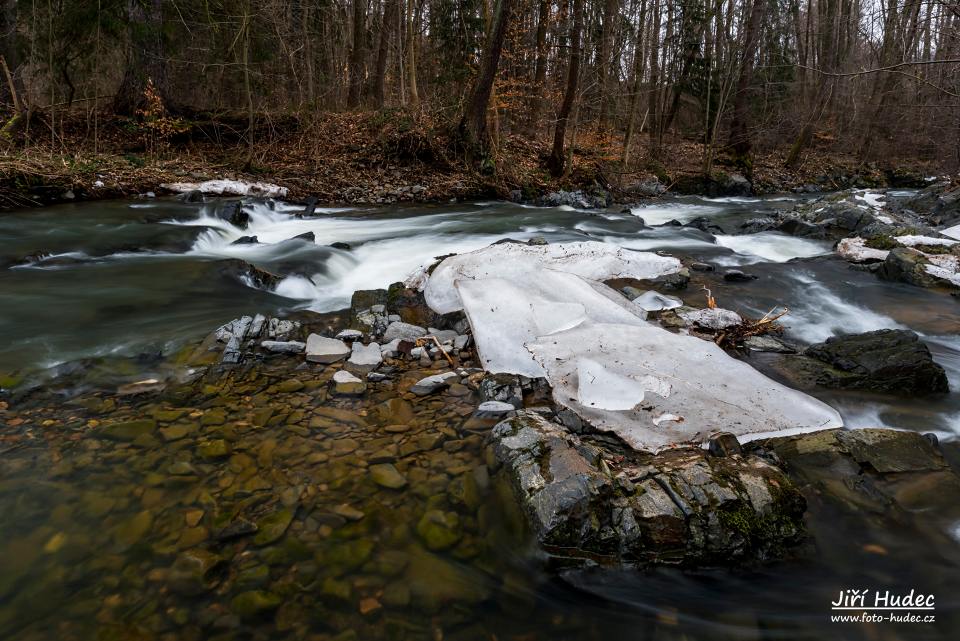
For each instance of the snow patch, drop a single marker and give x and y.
(855, 250)
(913, 241)
(230, 188)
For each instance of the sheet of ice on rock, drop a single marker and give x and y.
(506, 314)
(515, 262)
(656, 389)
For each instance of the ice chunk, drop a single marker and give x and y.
(230, 188)
(507, 313)
(872, 198)
(652, 301)
(709, 391)
(602, 388)
(951, 232)
(512, 261)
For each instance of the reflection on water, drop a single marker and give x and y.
(128, 536)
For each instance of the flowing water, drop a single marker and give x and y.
(101, 294)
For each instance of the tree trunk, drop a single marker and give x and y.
(473, 126)
(740, 138)
(603, 64)
(386, 31)
(556, 161)
(653, 108)
(12, 90)
(145, 59)
(540, 69)
(412, 56)
(638, 59)
(357, 53)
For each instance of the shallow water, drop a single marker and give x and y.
(124, 286)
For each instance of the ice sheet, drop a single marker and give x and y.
(690, 387)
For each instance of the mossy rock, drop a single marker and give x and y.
(254, 603)
(128, 431)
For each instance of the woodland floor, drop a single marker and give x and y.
(373, 157)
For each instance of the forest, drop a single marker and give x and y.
(863, 79)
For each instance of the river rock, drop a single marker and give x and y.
(127, 430)
(350, 335)
(254, 603)
(887, 360)
(386, 475)
(246, 240)
(439, 530)
(346, 384)
(875, 475)
(767, 344)
(432, 384)
(284, 347)
(907, 265)
(738, 276)
(685, 507)
(273, 526)
(321, 349)
(364, 358)
(494, 409)
(403, 331)
(715, 319)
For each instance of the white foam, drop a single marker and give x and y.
(773, 247)
(817, 313)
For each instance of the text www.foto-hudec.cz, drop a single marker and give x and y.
(882, 606)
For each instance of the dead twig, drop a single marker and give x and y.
(422, 342)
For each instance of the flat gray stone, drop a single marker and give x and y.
(350, 335)
(321, 349)
(283, 347)
(494, 409)
(364, 358)
(431, 384)
(403, 331)
(346, 384)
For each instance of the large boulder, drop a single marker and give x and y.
(880, 476)
(888, 360)
(906, 265)
(584, 501)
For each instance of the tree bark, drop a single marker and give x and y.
(145, 58)
(740, 138)
(540, 69)
(473, 126)
(412, 56)
(12, 92)
(556, 161)
(357, 53)
(386, 32)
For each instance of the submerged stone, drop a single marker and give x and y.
(346, 384)
(128, 430)
(254, 603)
(439, 530)
(273, 526)
(386, 475)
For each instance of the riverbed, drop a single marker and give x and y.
(100, 295)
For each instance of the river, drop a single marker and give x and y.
(96, 295)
